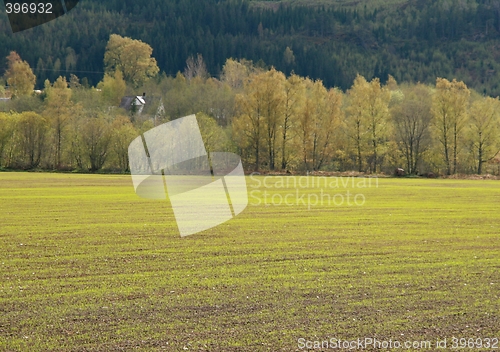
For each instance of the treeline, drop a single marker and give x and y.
(295, 123)
(274, 121)
(414, 42)
(69, 127)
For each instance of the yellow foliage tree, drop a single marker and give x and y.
(19, 76)
(294, 91)
(236, 73)
(319, 117)
(58, 110)
(411, 120)
(7, 128)
(356, 122)
(113, 87)
(484, 130)
(123, 133)
(368, 120)
(131, 57)
(377, 106)
(449, 107)
(260, 107)
(31, 132)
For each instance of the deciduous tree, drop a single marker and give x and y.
(319, 117)
(196, 68)
(449, 107)
(412, 119)
(484, 130)
(113, 87)
(294, 91)
(327, 127)
(58, 111)
(377, 110)
(260, 107)
(123, 133)
(19, 76)
(272, 85)
(356, 120)
(7, 129)
(96, 139)
(236, 73)
(31, 133)
(131, 57)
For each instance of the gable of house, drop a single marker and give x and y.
(151, 106)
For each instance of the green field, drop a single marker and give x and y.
(86, 265)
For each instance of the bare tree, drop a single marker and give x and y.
(195, 68)
(412, 119)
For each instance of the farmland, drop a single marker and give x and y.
(85, 265)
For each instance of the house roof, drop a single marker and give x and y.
(126, 102)
(145, 104)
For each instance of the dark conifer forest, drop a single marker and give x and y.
(414, 41)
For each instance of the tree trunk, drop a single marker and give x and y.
(358, 145)
(455, 149)
(446, 153)
(283, 147)
(480, 159)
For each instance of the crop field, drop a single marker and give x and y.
(86, 265)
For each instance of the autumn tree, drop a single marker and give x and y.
(259, 110)
(367, 121)
(58, 110)
(19, 76)
(31, 133)
(96, 135)
(356, 120)
(318, 119)
(449, 107)
(377, 111)
(328, 127)
(272, 85)
(215, 137)
(74, 151)
(484, 129)
(123, 133)
(113, 87)
(131, 57)
(236, 73)
(411, 119)
(293, 91)
(2, 89)
(7, 129)
(288, 58)
(74, 82)
(220, 101)
(305, 123)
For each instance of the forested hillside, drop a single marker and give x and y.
(415, 40)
